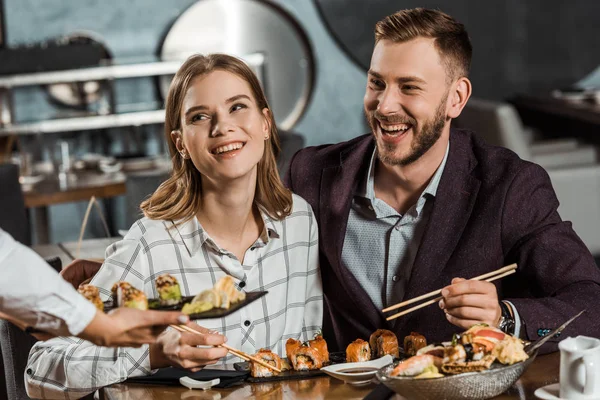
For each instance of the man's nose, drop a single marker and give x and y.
(389, 102)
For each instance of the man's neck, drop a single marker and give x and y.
(401, 185)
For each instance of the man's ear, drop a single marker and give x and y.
(458, 97)
(177, 138)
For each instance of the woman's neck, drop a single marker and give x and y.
(227, 213)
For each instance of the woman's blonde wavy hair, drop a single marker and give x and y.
(178, 198)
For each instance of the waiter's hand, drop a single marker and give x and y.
(128, 327)
(468, 302)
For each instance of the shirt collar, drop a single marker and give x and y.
(194, 236)
(366, 188)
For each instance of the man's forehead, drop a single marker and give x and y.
(418, 57)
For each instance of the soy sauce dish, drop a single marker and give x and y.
(357, 373)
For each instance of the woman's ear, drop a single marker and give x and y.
(177, 138)
(266, 122)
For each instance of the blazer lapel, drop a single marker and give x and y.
(338, 185)
(451, 211)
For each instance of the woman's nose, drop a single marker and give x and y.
(221, 126)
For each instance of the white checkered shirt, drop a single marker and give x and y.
(283, 261)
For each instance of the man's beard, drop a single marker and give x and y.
(422, 141)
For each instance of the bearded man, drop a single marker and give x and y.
(417, 206)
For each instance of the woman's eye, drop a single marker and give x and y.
(199, 117)
(238, 106)
(377, 83)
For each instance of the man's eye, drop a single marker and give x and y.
(410, 87)
(238, 106)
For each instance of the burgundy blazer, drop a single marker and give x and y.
(491, 209)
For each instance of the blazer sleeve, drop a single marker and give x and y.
(554, 264)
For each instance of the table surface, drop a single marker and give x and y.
(91, 249)
(543, 371)
(79, 186)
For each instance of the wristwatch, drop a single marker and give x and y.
(507, 321)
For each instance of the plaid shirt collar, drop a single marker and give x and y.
(194, 236)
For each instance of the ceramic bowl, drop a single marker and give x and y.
(357, 373)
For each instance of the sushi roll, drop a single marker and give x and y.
(266, 355)
(227, 285)
(305, 358)
(320, 345)
(384, 342)
(358, 351)
(291, 345)
(91, 293)
(126, 295)
(414, 342)
(168, 290)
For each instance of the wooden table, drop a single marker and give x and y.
(543, 371)
(90, 249)
(79, 186)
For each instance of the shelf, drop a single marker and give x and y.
(109, 72)
(86, 123)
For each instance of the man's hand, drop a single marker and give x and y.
(128, 327)
(179, 349)
(468, 302)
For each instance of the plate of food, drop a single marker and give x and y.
(312, 358)
(479, 363)
(221, 300)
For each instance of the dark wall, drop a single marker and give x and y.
(519, 46)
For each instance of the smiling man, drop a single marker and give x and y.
(416, 206)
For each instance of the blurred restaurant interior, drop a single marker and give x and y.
(83, 85)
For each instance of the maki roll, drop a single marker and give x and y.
(266, 355)
(384, 342)
(91, 293)
(291, 345)
(305, 358)
(413, 343)
(125, 295)
(320, 345)
(168, 290)
(358, 351)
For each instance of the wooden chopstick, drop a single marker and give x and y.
(437, 292)
(235, 352)
(440, 297)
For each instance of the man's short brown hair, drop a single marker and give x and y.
(451, 38)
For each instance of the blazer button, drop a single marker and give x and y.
(246, 323)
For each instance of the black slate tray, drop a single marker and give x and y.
(334, 358)
(154, 304)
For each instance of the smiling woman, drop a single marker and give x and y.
(223, 212)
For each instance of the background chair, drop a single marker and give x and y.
(290, 143)
(572, 166)
(138, 186)
(13, 214)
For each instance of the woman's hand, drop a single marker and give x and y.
(179, 349)
(468, 302)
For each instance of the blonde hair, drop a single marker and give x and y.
(179, 197)
(451, 37)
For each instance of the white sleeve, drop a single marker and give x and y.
(70, 368)
(313, 308)
(32, 292)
